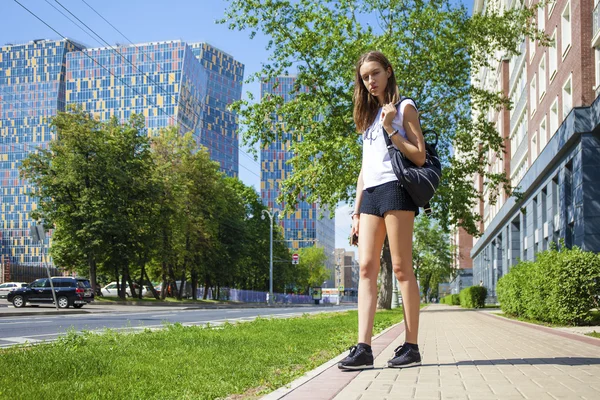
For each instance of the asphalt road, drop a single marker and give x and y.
(36, 328)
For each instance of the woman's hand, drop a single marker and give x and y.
(388, 113)
(355, 223)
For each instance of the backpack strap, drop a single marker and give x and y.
(427, 209)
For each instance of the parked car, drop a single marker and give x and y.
(70, 291)
(8, 287)
(110, 290)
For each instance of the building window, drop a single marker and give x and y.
(597, 67)
(555, 197)
(533, 147)
(532, 47)
(550, 6)
(552, 57)
(541, 18)
(565, 30)
(554, 117)
(542, 74)
(532, 96)
(567, 98)
(543, 137)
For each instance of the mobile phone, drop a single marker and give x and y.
(354, 240)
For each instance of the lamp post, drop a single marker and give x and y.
(271, 216)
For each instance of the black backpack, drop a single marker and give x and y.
(420, 182)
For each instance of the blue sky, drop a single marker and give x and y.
(150, 21)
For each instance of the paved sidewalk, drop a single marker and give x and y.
(473, 355)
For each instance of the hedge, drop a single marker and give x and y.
(451, 300)
(473, 297)
(559, 287)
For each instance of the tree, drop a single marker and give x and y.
(432, 256)
(435, 46)
(311, 267)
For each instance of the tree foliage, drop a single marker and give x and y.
(434, 45)
(127, 207)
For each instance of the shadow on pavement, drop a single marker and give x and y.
(572, 361)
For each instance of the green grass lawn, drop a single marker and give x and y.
(594, 334)
(595, 320)
(181, 362)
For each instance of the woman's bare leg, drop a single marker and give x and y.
(399, 226)
(371, 235)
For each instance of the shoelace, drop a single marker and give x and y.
(353, 350)
(398, 350)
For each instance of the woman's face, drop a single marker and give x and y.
(375, 78)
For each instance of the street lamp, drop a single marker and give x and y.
(271, 216)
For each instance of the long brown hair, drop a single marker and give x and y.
(365, 104)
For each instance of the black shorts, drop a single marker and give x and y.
(378, 200)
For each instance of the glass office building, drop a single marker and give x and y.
(32, 90)
(223, 86)
(302, 228)
(170, 83)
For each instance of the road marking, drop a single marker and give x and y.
(20, 322)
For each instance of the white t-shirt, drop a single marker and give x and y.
(376, 164)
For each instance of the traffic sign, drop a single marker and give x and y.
(341, 288)
(295, 258)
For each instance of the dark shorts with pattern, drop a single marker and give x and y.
(378, 200)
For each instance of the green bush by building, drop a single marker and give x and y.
(471, 297)
(560, 286)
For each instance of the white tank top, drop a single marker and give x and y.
(376, 164)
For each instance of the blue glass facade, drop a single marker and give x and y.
(223, 86)
(302, 228)
(170, 83)
(32, 90)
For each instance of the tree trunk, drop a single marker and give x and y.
(123, 291)
(384, 300)
(154, 292)
(206, 286)
(92, 265)
(181, 286)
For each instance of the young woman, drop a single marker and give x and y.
(383, 206)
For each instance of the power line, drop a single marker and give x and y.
(141, 50)
(175, 101)
(121, 80)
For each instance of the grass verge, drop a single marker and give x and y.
(181, 362)
(594, 334)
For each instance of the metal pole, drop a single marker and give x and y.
(49, 278)
(271, 263)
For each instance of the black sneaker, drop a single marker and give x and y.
(359, 358)
(404, 357)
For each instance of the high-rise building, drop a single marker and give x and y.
(224, 86)
(552, 147)
(170, 83)
(302, 228)
(346, 271)
(32, 90)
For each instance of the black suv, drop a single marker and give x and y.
(75, 292)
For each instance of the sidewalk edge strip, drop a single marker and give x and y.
(311, 375)
(568, 335)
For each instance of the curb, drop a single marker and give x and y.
(24, 313)
(554, 331)
(310, 375)
(338, 379)
(217, 306)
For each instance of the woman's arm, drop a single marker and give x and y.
(414, 147)
(359, 192)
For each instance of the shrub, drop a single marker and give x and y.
(473, 297)
(559, 287)
(451, 300)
